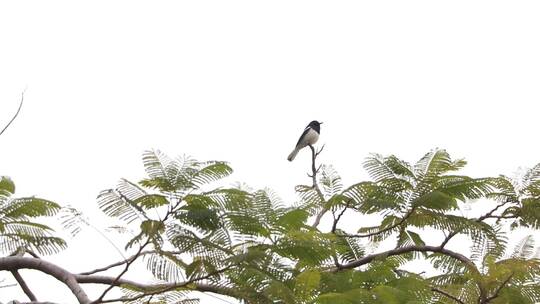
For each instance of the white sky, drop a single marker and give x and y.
(239, 80)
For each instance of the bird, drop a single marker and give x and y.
(308, 138)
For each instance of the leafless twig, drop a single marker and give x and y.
(313, 175)
(126, 268)
(167, 288)
(23, 285)
(446, 294)
(16, 114)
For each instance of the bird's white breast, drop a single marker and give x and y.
(310, 138)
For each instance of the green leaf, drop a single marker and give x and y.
(198, 213)
(31, 207)
(113, 204)
(212, 172)
(415, 237)
(152, 228)
(194, 267)
(7, 185)
(310, 247)
(307, 281)
(436, 163)
(151, 201)
(330, 181)
(293, 220)
(436, 200)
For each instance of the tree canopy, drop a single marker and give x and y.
(194, 234)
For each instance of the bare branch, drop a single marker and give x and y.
(446, 294)
(402, 250)
(36, 302)
(16, 114)
(7, 286)
(479, 219)
(72, 281)
(490, 213)
(126, 268)
(23, 285)
(319, 151)
(313, 175)
(16, 262)
(403, 219)
(113, 264)
(33, 254)
(336, 220)
(156, 289)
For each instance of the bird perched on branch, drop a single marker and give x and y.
(308, 138)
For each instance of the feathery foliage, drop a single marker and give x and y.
(18, 229)
(193, 233)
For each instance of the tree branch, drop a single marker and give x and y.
(150, 290)
(479, 219)
(402, 250)
(444, 293)
(8, 285)
(498, 290)
(73, 281)
(119, 263)
(336, 220)
(23, 285)
(14, 116)
(16, 262)
(126, 268)
(490, 213)
(403, 219)
(114, 264)
(34, 302)
(313, 175)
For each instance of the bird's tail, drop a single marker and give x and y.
(293, 154)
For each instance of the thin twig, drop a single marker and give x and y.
(120, 263)
(33, 254)
(479, 219)
(446, 294)
(126, 268)
(168, 288)
(336, 220)
(36, 302)
(143, 287)
(314, 171)
(490, 213)
(403, 250)
(8, 286)
(16, 114)
(403, 219)
(496, 293)
(109, 266)
(132, 259)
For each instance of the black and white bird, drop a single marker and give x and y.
(309, 137)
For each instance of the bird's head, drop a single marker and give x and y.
(315, 124)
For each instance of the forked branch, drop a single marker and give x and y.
(313, 175)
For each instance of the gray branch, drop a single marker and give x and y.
(13, 263)
(23, 285)
(402, 250)
(313, 175)
(14, 116)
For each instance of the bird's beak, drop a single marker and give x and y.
(320, 123)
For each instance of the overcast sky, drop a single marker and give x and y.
(239, 80)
